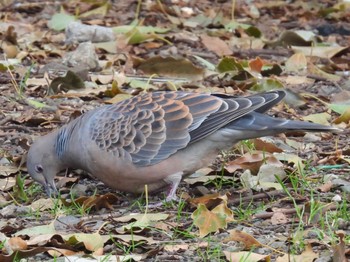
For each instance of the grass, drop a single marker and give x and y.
(126, 249)
(244, 212)
(23, 194)
(2, 244)
(213, 251)
(220, 181)
(20, 89)
(80, 208)
(246, 145)
(314, 214)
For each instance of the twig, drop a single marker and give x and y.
(5, 120)
(257, 196)
(15, 135)
(17, 127)
(262, 52)
(288, 211)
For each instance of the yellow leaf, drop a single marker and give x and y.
(345, 117)
(211, 221)
(296, 63)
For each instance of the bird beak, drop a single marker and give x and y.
(51, 189)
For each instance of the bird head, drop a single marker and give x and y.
(43, 163)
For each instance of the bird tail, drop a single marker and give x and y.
(256, 124)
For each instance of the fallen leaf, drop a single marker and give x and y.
(298, 80)
(296, 63)
(325, 187)
(17, 243)
(97, 201)
(144, 29)
(339, 254)
(313, 69)
(211, 221)
(295, 38)
(308, 255)
(216, 45)
(92, 242)
(169, 66)
(261, 145)
(256, 64)
(319, 51)
(7, 170)
(240, 236)
(63, 252)
(345, 117)
(136, 217)
(320, 118)
(290, 158)
(42, 204)
(59, 21)
(101, 10)
(37, 230)
(141, 220)
(229, 64)
(246, 256)
(208, 200)
(70, 81)
(267, 85)
(250, 161)
(130, 238)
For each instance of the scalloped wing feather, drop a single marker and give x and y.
(151, 127)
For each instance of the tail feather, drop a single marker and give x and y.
(270, 125)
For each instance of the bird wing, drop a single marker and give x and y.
(151, 127)
(234, 108)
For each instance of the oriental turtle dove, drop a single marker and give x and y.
(156, 138)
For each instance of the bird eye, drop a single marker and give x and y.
(39, 168)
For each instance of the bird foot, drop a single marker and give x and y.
(174, 181)
(168, 199)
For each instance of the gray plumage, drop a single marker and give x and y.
(156, 138)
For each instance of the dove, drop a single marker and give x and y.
(156, 138)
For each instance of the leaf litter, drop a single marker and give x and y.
(298, 206)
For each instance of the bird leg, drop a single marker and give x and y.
(173, 181)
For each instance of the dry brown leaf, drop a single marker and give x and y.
(339, 249)
(98, 201)
(17, 243)
(325, 187)
(208, 200)
(240, 236)
(308, 255)
(169, 66)
(320, 51)
(298, 80)
(256, 64)
(42, 204)
(264, 146)
(215, 44)
(6, 171)
(246, 256)
(251, 162)
(297, 63)
(63, 252)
